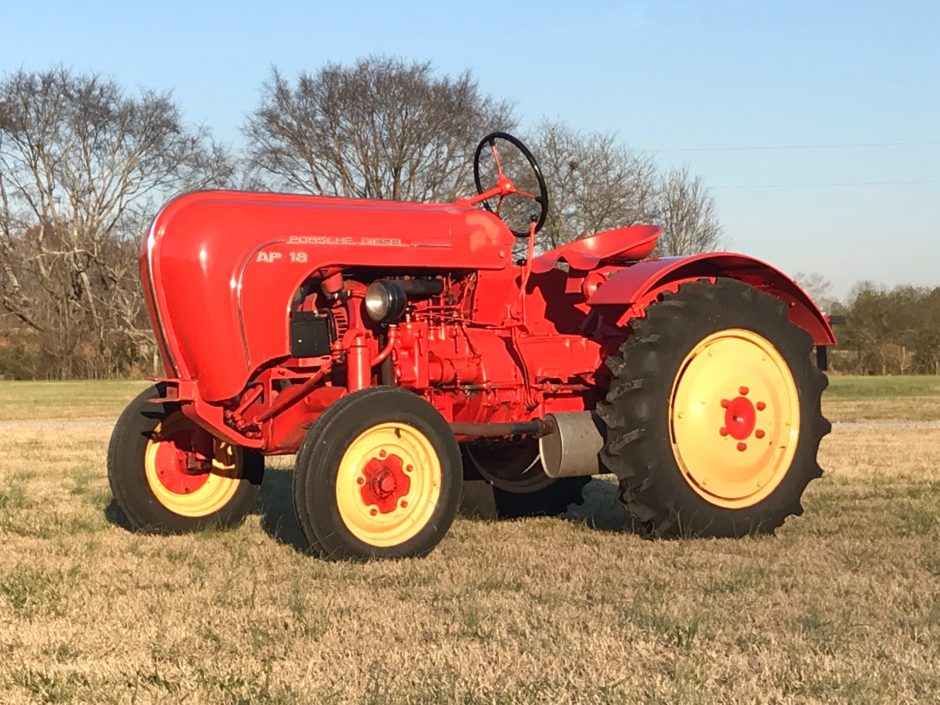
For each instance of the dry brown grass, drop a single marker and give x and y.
(842, 606)
(860, 410)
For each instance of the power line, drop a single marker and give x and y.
(824, 185)
(785, 147)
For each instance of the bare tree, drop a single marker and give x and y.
(381, 128)
(687, 213)
(82, 166)
(594, 182)
(597, 183)
(818, 288)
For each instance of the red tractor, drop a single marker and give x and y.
(398, 348)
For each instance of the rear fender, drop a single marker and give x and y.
(637, 286)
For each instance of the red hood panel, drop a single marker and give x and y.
(226, 265)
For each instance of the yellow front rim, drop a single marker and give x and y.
(172, 468)
(734, 418)
(388, 484)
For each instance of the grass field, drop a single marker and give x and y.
(842, 606)
(898, 398)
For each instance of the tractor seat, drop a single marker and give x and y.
(617, 246)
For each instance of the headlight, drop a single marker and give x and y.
(385, 301)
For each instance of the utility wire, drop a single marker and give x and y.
(784, 147)
(838, 184)
(795, 147)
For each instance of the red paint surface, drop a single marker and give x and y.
(635, 284)
(172, 462)
(740, 418)
(385, 483)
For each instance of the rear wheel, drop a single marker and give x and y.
(168, 475)
(518, 484)
(377, 476)
(713, 415)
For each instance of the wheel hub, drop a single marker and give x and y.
(177, 468)
(388, 484)
(757, 427)
(189, 472)
(384, 483)
(740, 417)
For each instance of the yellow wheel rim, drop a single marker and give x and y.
(734, 418)
(190, 472)
(388, 484)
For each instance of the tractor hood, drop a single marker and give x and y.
(220, 268)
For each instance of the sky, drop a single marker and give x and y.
(816, 125)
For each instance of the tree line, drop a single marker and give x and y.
(888, 331)
(85, 164)
(881, 330)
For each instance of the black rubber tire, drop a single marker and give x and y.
(128, 480)
(551, 500)
(636, 409)
(317, 463)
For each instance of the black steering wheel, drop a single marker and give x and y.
(504, 185)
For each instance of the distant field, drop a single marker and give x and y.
(62, 400)
(842, 606)
(853, 388)
(849, 398)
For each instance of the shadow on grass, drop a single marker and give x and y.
(276, 508)
(114, 515)
(600, 508)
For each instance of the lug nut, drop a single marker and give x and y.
(759, 433)
(761, 406)
(742, 446)
(743, 391)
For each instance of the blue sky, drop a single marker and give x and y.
(702, 83)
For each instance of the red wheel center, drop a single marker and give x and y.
(740, 418)
(385, 483)
(173, 463)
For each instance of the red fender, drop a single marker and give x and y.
(638, 285)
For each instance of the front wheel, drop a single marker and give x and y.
(377, 476)
(168, 475)
(713, 414)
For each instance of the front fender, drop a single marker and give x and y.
(638, 285)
